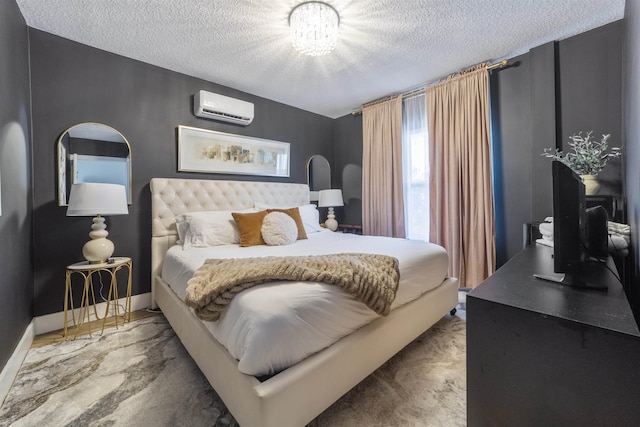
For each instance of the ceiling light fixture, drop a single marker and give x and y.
(314, 28)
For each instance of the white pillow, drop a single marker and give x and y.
(208, 228)
(279, 229)
(309, 214)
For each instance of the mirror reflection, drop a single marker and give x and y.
(92, 152)
(318, 175)
(352, 193)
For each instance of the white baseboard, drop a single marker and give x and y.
(47, 323)
(55, 321)
(10, 370)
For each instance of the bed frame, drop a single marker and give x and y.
(300, 393)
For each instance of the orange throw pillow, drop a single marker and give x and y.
(250, 225)
(295, 214)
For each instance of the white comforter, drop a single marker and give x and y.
(275, 325)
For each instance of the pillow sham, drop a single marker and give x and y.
(279, 228)
(207, 228)
(308, 213)
(250, 227)
(294, 213)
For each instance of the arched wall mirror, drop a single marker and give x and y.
(92, 152)
(352, 193)
(318, 175)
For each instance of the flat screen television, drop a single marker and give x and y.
(572, 226)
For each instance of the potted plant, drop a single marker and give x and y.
(587, 157)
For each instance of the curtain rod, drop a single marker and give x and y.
(417, 91)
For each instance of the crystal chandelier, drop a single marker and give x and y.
(314, 28)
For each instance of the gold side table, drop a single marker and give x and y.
(87, 271)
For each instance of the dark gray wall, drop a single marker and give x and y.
(523, 99)
(74, 83)
(347, 161)
(544, 125)
(544, 96)
(16, 280)
(590, 90)
(631, 115)
(510, 90)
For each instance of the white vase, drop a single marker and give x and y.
(591, 184)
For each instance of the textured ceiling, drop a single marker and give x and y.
(385, 46)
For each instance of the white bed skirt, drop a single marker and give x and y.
(298, 394)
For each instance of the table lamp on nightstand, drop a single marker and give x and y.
(92, 198)
(330, 199)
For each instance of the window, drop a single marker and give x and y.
(415, 149)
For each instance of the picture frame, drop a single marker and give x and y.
(209, 151)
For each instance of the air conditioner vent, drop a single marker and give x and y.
(219, 113)
(219, 107)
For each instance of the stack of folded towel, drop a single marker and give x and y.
(619, 236)
(546, 230)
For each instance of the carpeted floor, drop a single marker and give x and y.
(140, 375)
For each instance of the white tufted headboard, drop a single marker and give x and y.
(172, 196)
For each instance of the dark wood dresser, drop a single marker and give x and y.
(540, 353)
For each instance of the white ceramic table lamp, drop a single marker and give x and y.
(92, 198)
(330, 199)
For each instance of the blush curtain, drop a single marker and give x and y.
(461, 202)
(382, 198)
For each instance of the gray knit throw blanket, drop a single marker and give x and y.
(372, 279)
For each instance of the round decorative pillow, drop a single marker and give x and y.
(279, 229)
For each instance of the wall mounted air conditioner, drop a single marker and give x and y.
(218, 107)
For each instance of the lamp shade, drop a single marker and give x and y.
(93, 198)
(330, 198)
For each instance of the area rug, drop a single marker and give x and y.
(140, 375)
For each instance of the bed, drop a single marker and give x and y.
(296, 395)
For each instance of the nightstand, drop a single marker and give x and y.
(350, 228)
(87, 271)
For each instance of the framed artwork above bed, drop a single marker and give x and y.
(202, 150)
